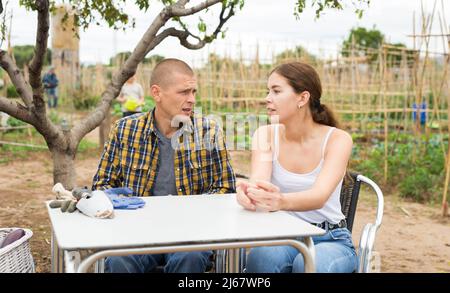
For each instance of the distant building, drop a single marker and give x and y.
(65, 49)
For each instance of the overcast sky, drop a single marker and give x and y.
(268, 24)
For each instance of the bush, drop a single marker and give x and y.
(82, 101)
(416, 166)
(13, 122)
(420, 185)
(149, 104)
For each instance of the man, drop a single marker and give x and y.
(154, 156)
(131, 97)
(50, 82)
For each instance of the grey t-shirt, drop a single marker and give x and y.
(165, 178)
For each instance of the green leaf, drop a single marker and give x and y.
(202, 26)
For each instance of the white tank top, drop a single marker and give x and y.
(294, 182)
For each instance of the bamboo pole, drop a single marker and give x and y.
(353, 79)
(23, 144)
(444, 195)
(405, 88)
(383, 73)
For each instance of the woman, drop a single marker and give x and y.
(298, 166)
(131, 97)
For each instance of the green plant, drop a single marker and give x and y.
(11, 91)
(83, 101)
(15, 122)
(54, 117)
(23, 55)
(86, 145)
(149, 104)
(415, 165)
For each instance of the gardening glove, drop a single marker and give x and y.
(66, 205)
(121, 200)
(94, 204)
(81, 192)
(91, 203)
(119, 191)
(65, 199)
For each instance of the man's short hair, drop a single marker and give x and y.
(163, 71)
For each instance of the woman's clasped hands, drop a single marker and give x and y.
(259, 195)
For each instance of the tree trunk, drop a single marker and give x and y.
(64, 168)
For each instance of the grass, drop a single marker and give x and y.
(13, 152)
(33, 184)
(86, 145)
(9, 153)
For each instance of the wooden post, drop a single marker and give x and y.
(352, 73)
(447, 171)
(383, 73)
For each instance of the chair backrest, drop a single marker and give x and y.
(349, 197)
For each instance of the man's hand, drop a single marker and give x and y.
(265, 196)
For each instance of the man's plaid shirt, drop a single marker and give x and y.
(130, 157)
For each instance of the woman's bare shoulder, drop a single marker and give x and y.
(263, 136)
(340, 138)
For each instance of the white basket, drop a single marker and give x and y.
(16, 257)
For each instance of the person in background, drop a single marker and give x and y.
(50, 81)
(131, 97)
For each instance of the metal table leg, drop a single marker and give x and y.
(99, 266)
(57, 256)
(233, 260)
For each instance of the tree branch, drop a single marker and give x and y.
(181, 3)
(118, 79)
(17, 78)
(222, 19)
(183, 35)
(179, 10)
(37, 62)
(145, 45)
(41, 44)
(159, 38)
(16, 110)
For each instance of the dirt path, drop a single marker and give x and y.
(413, 237)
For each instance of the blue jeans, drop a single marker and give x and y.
(335, 253)
(179, 262)
(52, 100)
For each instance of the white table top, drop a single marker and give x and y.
(176, 220)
